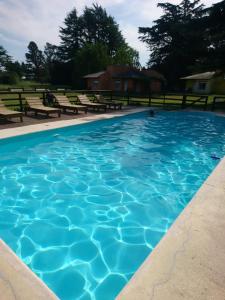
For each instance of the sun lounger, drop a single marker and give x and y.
(83, 99)
(64, 103)
(110, 104)
(8, 113)
(35, 104)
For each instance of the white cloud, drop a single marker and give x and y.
(39, 20)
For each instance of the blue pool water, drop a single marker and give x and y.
(84, 206)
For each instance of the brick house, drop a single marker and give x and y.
(125, 78)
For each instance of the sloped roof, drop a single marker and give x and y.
(141, 75)
(132, 74)
(153, 74)
(201, 76)
(94, 75)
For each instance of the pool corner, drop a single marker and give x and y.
(189, 261)
(17, 281)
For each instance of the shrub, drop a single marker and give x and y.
(9, 78)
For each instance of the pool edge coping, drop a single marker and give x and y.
(132, 290)
(17, 281)
(188, 261)
(34, 128)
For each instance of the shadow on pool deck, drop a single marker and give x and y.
(31, 119)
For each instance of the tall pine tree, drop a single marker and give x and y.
(215, 24)
(70, 35)
(91, 41)
(35, 60)
(4, 59)
(176, 40)
(94, 26)
(99, 27)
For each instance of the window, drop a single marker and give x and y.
(95, 84)
(117, 85)
(202, 86)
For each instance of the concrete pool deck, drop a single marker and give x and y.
(79, 119)
(189, 261)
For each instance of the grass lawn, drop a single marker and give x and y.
(167, 101)
(24, 84)
(13, 98)
(175, 100)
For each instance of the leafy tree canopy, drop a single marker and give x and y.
(215, 24)
(99, 27)
(4, 59)
(70, 36)
(50, 53)
(91, 41)
(126, 55)
(176, 40)
(35, 60)
(94, 26)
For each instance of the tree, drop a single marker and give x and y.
(50, 53)
(90, 59)
(50, 58)
(35, 60)
(10, 71)
(215, 24)
(177, 39)
(126, 55)
(16, 67)
(94, 26)
(70, 36)
(4, 59)
(190, 10)
(89, 43)
(99, 27)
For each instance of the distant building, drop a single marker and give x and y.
(205, 83)
(125, 78)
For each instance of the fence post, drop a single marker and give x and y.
(214, 103)
(164, 100)
(149, 99)
(206, 102)
(128, 98)
(20, 102)
(43, 96)
(183, 105)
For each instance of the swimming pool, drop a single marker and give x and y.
(84, 206)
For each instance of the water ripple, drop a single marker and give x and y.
(84, 210)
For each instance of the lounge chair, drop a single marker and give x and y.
(35, 104)
(64, 103)
(8, 113)
(110, 104)
(83, 99)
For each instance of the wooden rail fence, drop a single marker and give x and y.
(218, 100)
(16, 98)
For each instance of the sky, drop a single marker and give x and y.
(39, 20)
